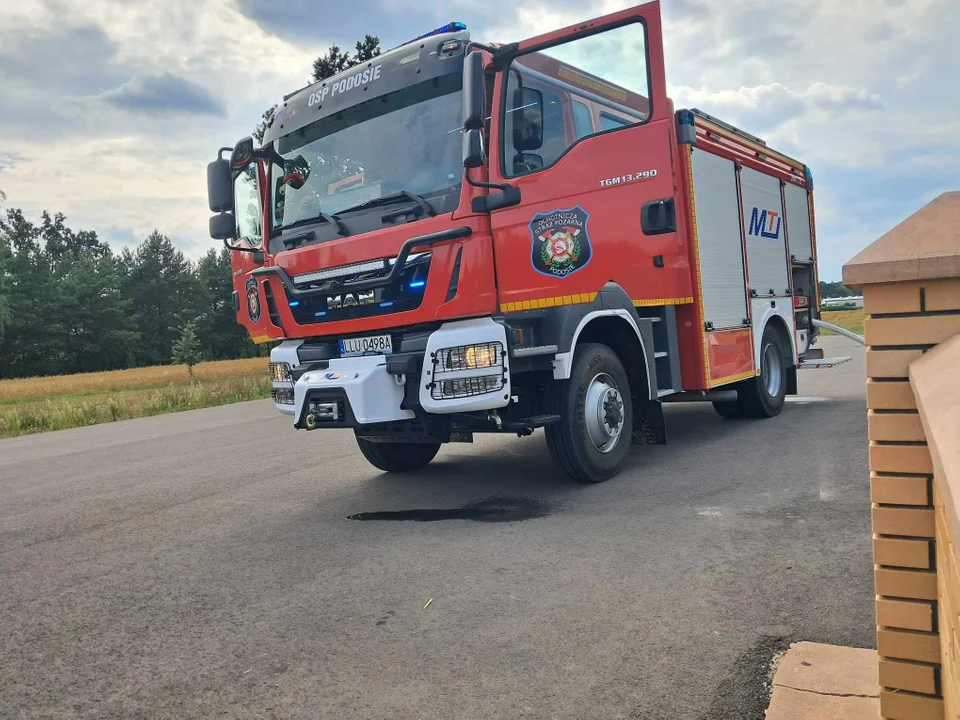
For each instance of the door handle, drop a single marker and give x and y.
(658, 217)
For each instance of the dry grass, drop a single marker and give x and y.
(849, 319)
(31, 405)
(69, 411)
(148, 377)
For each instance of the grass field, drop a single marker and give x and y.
(848, 319)
(30, 405)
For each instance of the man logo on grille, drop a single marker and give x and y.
(561, 245)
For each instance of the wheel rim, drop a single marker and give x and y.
(772, 371)
(603, 412)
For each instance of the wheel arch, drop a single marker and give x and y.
(764, 314)
(787, 345)
(625, 338)
(778, 324)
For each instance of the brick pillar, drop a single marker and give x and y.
(910, 280)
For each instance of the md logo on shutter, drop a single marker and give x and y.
(765, 223)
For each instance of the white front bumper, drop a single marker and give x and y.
(375, 396)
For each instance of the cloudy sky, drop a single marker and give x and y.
(112, 108)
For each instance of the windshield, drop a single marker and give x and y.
(405, 140)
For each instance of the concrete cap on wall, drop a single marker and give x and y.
(924, 246)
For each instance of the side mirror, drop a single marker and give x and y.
(527, 119)
(242, 154)
(223, 226)
(295, 172)
(473, 92)
(472, 149)
(219, 186)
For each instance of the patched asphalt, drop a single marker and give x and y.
(204, 564)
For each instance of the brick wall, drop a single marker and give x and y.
(935, 379)
(910, 280)
(898, 329)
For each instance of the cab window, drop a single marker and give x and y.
(609, 122)
(606, 69)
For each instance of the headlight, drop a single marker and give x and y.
(472, 357)
(280, 372)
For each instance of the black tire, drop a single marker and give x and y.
(398, 457)
(729, 410)
(598, 373)
(761, 396)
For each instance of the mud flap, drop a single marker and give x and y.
(791, 381)
(648, 425)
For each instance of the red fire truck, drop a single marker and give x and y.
(456, 238)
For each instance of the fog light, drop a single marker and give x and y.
(466, 387)
(283, 396)
(280, 372)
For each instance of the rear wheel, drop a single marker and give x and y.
(592, 438)
(761, 396)
(398, 457)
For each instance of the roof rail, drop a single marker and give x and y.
(728, 127)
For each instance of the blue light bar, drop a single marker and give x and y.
(448, 28)
(387, 303)
(320, 313)
(418, 283)
(294, 303)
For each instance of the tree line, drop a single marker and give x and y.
(69, 304)
(836, 290)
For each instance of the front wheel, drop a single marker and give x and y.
(592, 438)
(398, 457)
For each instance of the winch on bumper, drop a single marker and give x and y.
(462, 369)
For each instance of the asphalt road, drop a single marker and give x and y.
(202, 565)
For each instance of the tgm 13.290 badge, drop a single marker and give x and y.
(561, 243)
(253, 300)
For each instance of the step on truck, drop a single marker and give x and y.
(458, 237)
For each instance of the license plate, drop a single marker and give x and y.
(370, 345)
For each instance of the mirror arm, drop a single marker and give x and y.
(228, 246)
(479, 184)
(222, 150)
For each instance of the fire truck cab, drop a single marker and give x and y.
(457, 238)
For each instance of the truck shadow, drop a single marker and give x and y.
(503, 479)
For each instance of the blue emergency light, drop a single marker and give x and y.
(448, 28)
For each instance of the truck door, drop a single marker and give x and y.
(582, 193)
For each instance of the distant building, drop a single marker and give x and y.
(855, 301)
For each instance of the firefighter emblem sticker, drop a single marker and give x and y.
(253, 300)
(561, 245)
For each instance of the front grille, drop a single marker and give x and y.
(336, 304)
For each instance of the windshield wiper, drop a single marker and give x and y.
(403, 195)
(301, 237)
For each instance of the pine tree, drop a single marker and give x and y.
(162, 285)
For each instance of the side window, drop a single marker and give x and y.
(246, 204)
(609, 122)
(582, 122)
(523, 157)
(608, 68)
